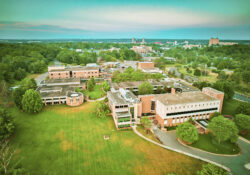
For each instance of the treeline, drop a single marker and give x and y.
(123, 54)
(16, 60)
(131, 74)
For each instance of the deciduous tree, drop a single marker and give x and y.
(187, 132)
(223, 129)
(210, 169)
(145, 88)
(6, 125)
(32, 102)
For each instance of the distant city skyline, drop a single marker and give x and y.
(109, 19)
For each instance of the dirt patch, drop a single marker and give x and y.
(65, 144)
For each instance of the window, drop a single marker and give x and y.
(192, 111)
(51, 74)
(152, 105)
(59, 74)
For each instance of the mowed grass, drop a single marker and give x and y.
(206, 143)
(230, 106)
(96, 93)
(64, 140)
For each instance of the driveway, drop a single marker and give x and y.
(235, 163)
(41, 78)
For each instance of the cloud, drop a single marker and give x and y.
(139, 18)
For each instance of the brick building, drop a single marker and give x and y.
(61, 91)
(167, 109)
(73, 72)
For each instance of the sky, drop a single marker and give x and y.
(114, 19)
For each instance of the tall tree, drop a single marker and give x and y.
(6, 125)
(243, 123)
(187, 132)
(32, 102)
(105, 86)
(223, 129)
(145, 88)
(146, 122)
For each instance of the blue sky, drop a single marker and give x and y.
(82, 19)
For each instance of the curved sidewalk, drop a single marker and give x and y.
(235, 163)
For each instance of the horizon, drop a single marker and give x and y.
(109, 19)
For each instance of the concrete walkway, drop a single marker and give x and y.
(99, 99)
(235, 163)
(41, 78)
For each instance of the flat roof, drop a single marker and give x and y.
(214, 90)
(76, 68)
(117, 98)
(129, 84)
(185, 97)
(57, 94)
(65, 80)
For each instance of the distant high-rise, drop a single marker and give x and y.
(213, 41)
(133, 40)
(143, 41)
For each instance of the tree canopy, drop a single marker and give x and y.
(6, 125)
(145, 88)
(91, 84)
(210, 169)
(187, 132)
(242, 121)
(32, 102)
(223, 129)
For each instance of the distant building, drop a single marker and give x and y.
(74, 72)
(114, 48)
(148, 67)
(79, 50)
(158, 43)
(133, 40)
(143, 41)
(142, 49)
(190, 46)
(213, 41)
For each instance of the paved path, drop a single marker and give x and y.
(235, 163)
(99, 99)
(41, 78)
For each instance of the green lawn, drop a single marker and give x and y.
(96, 93)
(206, 143)
(64, 140)
(149, 135)
(229, 107)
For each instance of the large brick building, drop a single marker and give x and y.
(73, 72)
(61, 91)
(167, 109)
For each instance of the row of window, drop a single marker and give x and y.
(121, 106)
(191, 106)
(192, 111)
(75, 73)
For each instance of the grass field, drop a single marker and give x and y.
(96, 93)
(64, 140)
(149, 135)
(229, 107)
(206, 143)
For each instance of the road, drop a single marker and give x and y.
(235, 163)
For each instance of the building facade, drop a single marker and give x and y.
(74, 72)
(169, 109)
